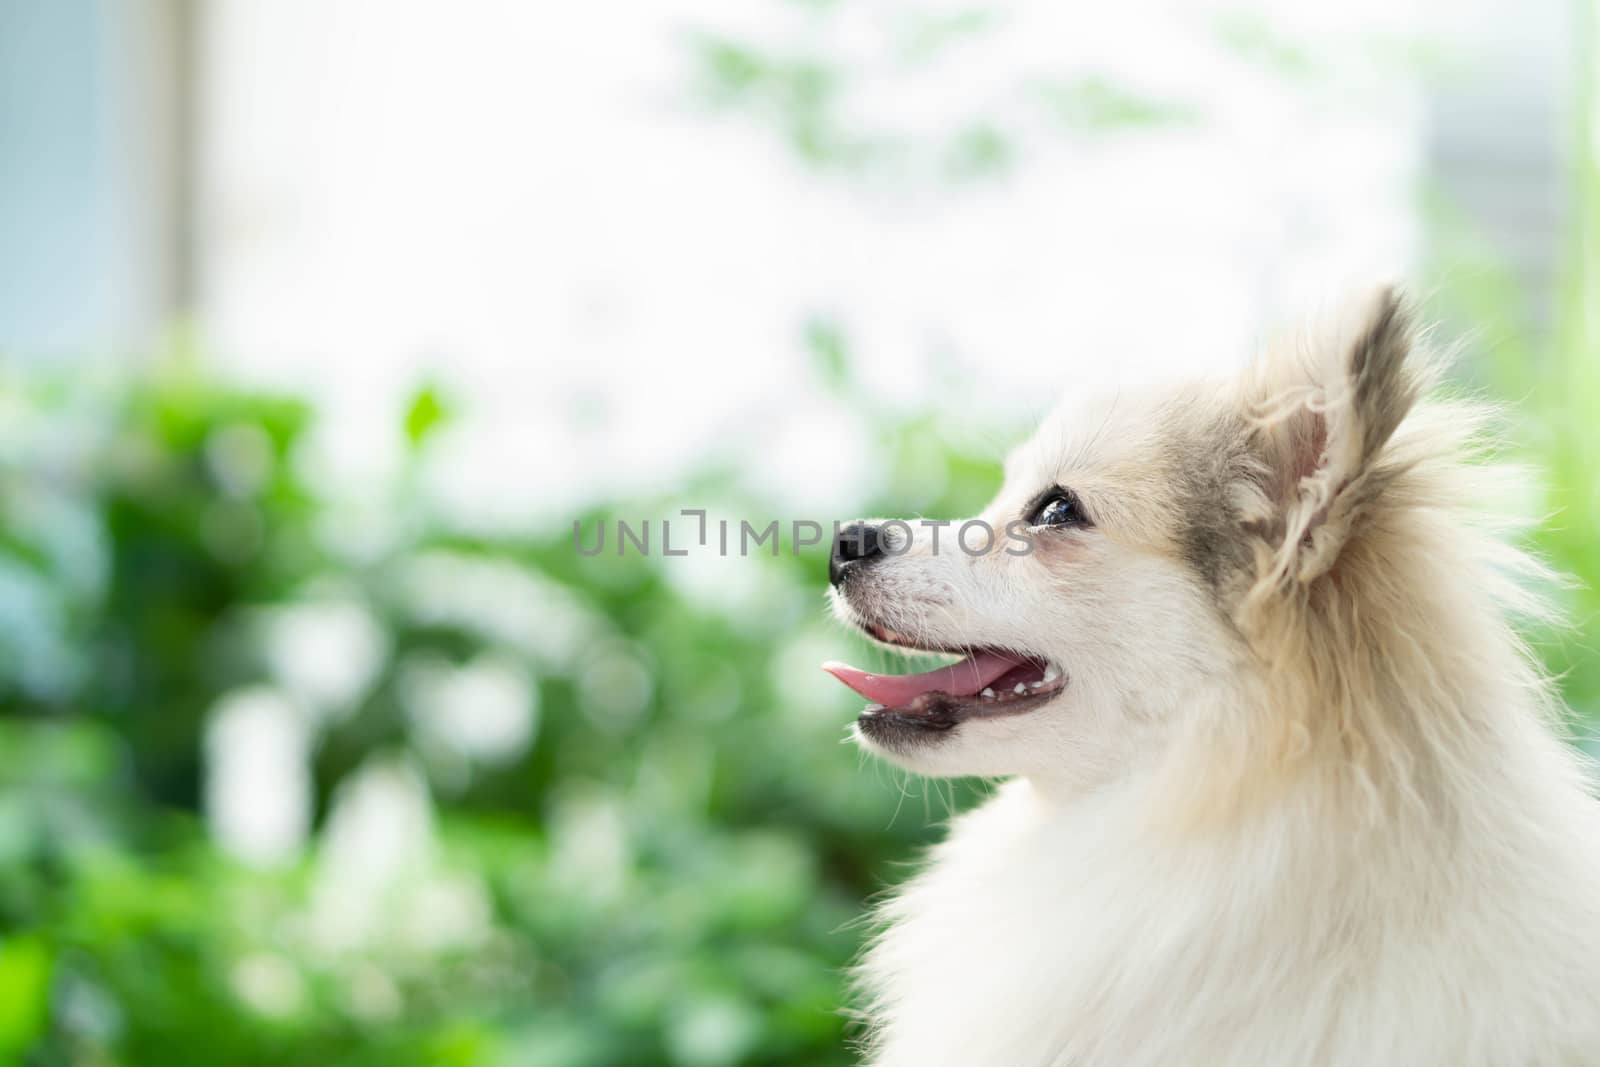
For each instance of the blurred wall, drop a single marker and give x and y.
(1499, 140)
(93, 174)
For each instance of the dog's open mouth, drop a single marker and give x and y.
(985, 682)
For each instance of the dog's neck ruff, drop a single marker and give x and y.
(1051, 931)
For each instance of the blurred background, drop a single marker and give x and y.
(323, 321)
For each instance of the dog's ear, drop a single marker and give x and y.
(1323, 414)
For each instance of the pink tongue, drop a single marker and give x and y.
(894, 690)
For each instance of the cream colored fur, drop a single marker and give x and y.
(1303, 799)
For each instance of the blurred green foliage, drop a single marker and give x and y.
(669, 866)
(671, 871)
(810, 96)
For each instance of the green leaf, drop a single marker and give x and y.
(829, 357)
(24, 985)
(426, 413)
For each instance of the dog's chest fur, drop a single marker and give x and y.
(1047, 936)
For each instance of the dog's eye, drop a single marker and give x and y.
(1059, 508)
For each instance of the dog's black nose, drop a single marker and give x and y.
(855, 545)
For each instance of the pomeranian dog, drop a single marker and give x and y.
(1284, 787)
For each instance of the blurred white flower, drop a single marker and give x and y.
(257, 783)
(378, 882)
(614, 687)
(589, 849)
(269, 983)
(486, 710)
(509, 604)
(325, 651)
(712, 1032)
(378, 839)
(370, 993)
(447, 911)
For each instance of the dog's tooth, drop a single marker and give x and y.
(1051, 674)
(1020, 688)
(987, 694)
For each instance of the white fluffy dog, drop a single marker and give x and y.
(1285, 786)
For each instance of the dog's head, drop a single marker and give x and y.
(1115, 589)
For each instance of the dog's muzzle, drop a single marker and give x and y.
(856, 545)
